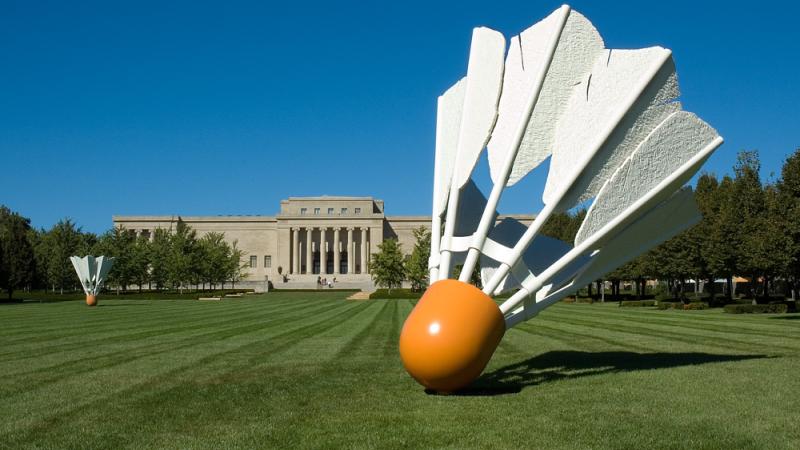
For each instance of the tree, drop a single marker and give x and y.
(158, 258)
(16, 252)
(386, 266)
(62, 241)
(215, 254)
(235, 268)
(788, 188)
(416, 265)
(121, 244)
(140, 261)
(183, 255)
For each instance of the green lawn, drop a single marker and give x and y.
(297, 370)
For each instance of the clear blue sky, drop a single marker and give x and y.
(200, 108)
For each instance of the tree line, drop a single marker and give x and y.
(750, 229)
(38, 259)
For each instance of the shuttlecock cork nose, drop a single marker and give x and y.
(450, 335)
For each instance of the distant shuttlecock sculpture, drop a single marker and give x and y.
(615, 135)
(92, 272)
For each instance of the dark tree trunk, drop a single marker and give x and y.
(729, 282)
(712, 289)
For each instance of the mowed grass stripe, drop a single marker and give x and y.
(125, 379)
(673, 333)
(688, 319)
(713, 318)
(86, 318)
(580, 338)
(43, 375)
(77, 312)
(159, 387)
(146, 330)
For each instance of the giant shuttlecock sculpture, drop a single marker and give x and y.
(614, 133)
(92, 272)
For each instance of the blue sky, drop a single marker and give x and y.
(200, 108)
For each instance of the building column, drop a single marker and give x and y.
(323, 251)
(294, 255)
(364, 264)
(337, 257)
(350, 259)
(309, 256)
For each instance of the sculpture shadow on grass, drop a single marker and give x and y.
(564, 365)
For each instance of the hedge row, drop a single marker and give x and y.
(638, 303)
(680, 305)
(772, 308)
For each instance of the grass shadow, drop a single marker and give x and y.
(561, 365)
(789, 317)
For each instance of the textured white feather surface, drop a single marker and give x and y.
(484, 80)
(578, 46)
(671, 145)
(448, 125)
(626, 95)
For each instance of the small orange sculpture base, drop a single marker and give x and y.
(91, 300)
(450, 335)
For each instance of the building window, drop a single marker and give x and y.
(330, 211)
(303, 211)
(344, 211)
(316, 211)
(253, 262)
(358, 210)
(267, 261)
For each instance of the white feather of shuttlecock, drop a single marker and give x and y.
(614, 131)
(92, 272)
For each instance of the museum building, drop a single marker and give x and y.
(310, 237)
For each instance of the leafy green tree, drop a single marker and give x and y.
(119, 243)
(39, 279)
(416, 264)
(236, 266)
(723, 240)
(63, 240)
(214, 260)
(183, 256)
(140, 262)
(158, 258)
(788, 188)
(386, 266)
(16, 252)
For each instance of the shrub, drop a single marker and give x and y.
(695, 306)
(638, 303)
(773, 308)
(681, 305)
(669, 305)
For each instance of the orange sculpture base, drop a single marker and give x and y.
(450, 335)
(91, 300)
